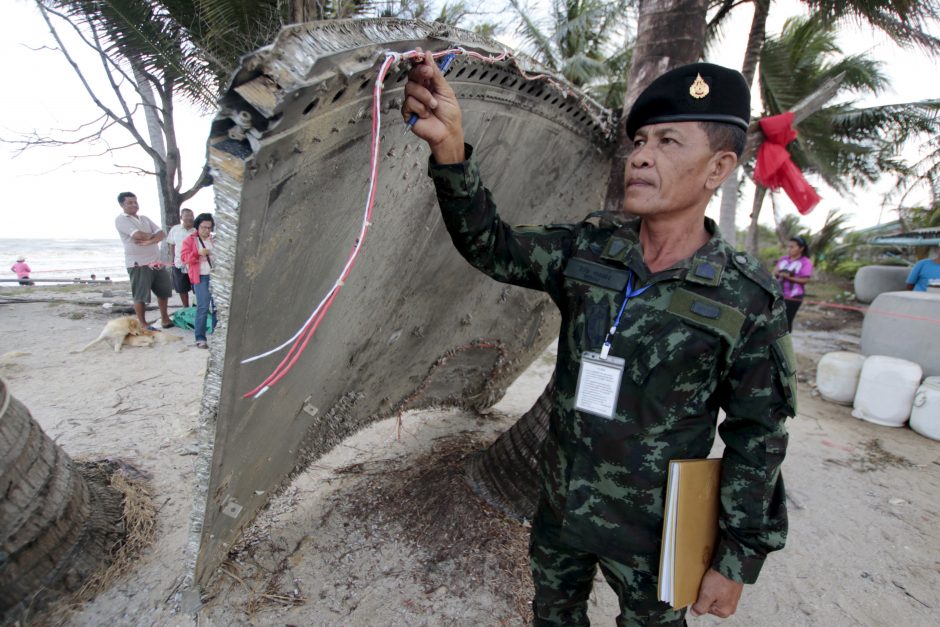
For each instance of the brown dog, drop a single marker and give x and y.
(150, 338)
(126, 331)
(115, 332)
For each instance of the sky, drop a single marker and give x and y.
(64, 193)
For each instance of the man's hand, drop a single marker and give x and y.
(428, 96)
(717, 595)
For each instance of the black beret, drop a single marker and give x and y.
(700, 92)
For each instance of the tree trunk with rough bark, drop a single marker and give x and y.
(155, 132)
(671, 33)
(752, 232)
(506, 474)
(729, 189)
(56, 528)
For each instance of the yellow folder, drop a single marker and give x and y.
(690, 528)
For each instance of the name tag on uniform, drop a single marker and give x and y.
(598, 385)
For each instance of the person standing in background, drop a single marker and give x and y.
(197, 255)
(174, 243)
(141, 239)
(793, 272)
(923, 271)
(21, 269)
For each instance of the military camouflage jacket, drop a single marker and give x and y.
(709, 333)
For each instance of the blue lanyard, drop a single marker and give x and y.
(627, 295)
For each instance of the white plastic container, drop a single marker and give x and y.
(886, 389)
(837, 376)
(925, 416)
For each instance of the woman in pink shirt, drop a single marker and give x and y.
(21, 270)
(197, 254)
(793, 271)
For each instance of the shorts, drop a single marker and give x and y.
(181, 282)
(145, 279)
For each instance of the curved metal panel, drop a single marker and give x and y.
(414, 325)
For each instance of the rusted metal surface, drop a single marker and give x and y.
(414, 325)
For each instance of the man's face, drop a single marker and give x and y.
(669, 169)
(130, 205)
(186, 217)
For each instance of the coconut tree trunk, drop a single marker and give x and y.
(55, 528)
(670, 33)
(155, 132)
(752, 232)
(729, 208)
(729, 189)
(506, 474)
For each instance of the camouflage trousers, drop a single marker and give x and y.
(563, 577)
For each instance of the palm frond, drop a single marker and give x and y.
(827, 237)
(843, 145)
(907, 22)
(540, 45)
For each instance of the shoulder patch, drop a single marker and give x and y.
(717, 317)
(753, 270)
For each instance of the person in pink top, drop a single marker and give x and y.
(793, 272)
(197, 254)
(21, 270)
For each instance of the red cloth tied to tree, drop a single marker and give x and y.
(775, 169)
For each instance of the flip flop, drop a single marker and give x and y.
(167, 326)
(152, 328)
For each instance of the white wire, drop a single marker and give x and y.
(391, 58)
(362, 229)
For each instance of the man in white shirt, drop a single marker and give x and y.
(174, 242)
(141, 239)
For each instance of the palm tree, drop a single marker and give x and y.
(670, 33)
(905, 22)
(56, 528)
(842, 145)
(827, 238)
(583, 40)
(140, 46)
(165, 49)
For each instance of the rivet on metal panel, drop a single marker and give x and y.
(309, 408)
(230, 507)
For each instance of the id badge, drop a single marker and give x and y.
(598, 384)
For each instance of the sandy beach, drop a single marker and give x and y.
(355, 541)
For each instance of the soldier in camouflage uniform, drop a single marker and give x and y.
(699, 327)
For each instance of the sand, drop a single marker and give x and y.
(351, 542)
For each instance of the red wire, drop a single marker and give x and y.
(306, 340)
(300, 344)
(303, 339)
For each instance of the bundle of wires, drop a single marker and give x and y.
(299, 341)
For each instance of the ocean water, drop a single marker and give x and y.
(64, 259)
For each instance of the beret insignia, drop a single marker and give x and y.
(699, 88)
